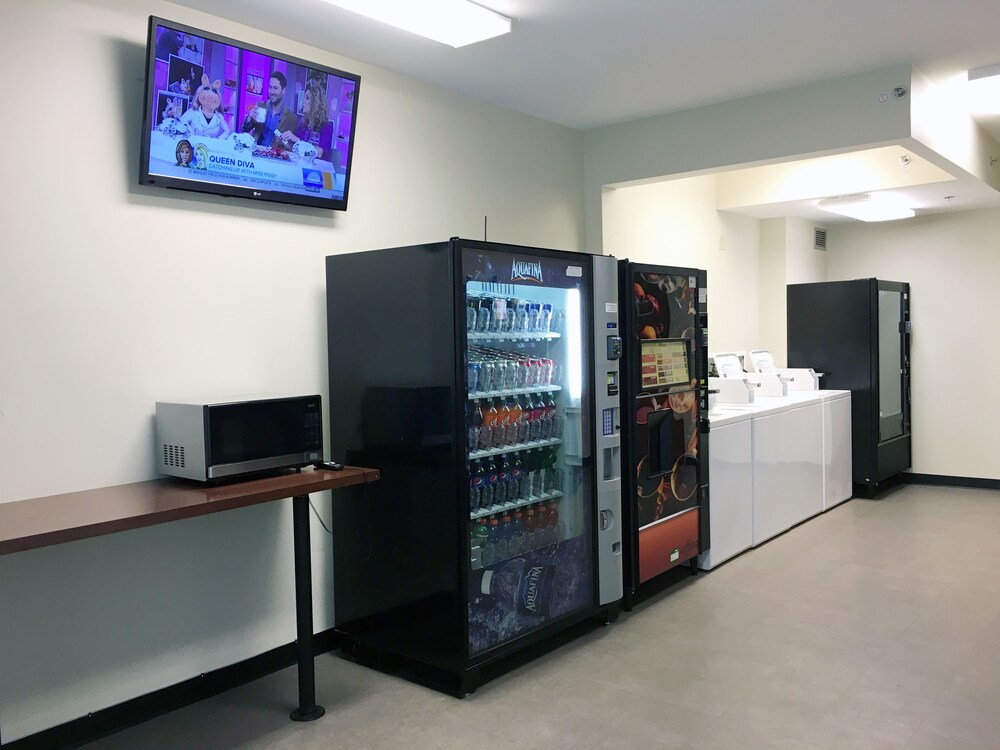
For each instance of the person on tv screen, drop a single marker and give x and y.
(204, 117)
(184, 154)
(272, 115)
(168, 43)
(314, 126)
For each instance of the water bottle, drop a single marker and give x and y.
(545, 318)
(485, 314)
(491, 550)
(506, 532)
(517, 533)
(512, 304)
(531, 326)
(485, 380)
(521, 317)
(471, 313)
(472, 377)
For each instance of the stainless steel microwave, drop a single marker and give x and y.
(211, 440)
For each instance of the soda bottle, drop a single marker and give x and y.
(528, 474)
(506, 531)
(546, 373)
(490, 417)
(545, 318)
(530, 540)
(517, 533)
(485, 313)
(477, 478)
(502, 429)
(537, 412)
(548, 417)
(501, 494)
(477, 542)
(524, 421)
(549, 469)
(491, 550)
(542, 525)
(513, 425)
(531, 378)
(515, 485)
(490, 483)
(554, 521)
(538, 470)
(475, 425)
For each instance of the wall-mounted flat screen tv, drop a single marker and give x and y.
(225, 117)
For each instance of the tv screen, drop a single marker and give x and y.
(228, 118)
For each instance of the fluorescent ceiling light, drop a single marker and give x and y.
(454, 22)
(868, 207)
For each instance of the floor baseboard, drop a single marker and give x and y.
(137, 710)
(941, 480)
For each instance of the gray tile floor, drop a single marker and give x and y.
(876, 625)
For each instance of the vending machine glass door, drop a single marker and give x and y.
(528, 378)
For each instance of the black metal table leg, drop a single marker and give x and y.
(307, 709)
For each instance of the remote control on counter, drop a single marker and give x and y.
(329, 465)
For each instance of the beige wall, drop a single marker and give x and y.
(113, 296)
(675, 223)
(952, 262)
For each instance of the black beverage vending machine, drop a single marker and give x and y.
(482, 380)
(857, 333)
(664, 322)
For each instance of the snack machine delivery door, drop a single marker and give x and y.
(528, 446)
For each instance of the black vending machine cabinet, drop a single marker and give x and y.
(664, 322)
(481, 379)
(858, 334)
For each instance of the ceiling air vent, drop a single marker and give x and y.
(819, 238)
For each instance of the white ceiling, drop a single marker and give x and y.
(588, 63)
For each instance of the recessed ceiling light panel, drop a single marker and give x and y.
(868, 207)
(453, 22)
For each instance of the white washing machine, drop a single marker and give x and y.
(730, 472)
(787, 439)
(837, 476)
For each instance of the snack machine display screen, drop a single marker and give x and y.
(664, 362)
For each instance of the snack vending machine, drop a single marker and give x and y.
(664, 323)
(857, 333)
(482, 380)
